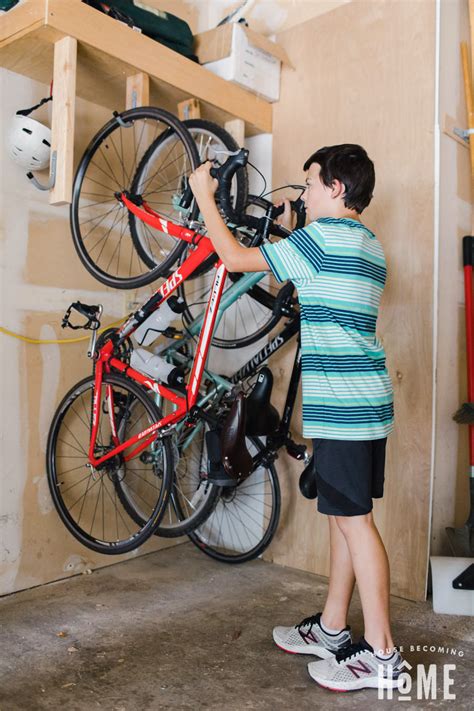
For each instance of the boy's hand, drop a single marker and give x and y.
(202, 184)
(287, 219)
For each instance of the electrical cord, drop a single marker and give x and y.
(261, 175)
(37, 341)
(282, 187)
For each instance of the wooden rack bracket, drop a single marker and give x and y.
(189, 109)
(138, 90)
(62, 125)
(236, 128)
(467, 75)
(449, 128)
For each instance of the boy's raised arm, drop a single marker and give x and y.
(235, 257)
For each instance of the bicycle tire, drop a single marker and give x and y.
(104, 141)
(57, 476)
(239, 191)
(190, 487)
(197, 128)
(202, 536)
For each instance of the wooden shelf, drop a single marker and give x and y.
(108, 52)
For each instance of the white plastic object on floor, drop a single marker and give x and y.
(158, 321)
(447, 600)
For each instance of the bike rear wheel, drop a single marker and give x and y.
(192, 497)
(88, 501)
(245, 518)
(105, 234)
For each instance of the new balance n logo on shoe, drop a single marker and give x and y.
(309, 636)
(359, 667)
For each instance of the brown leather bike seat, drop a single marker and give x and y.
(236, 458)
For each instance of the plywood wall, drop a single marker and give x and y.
(451, 460)
(366, 74)
(265, 16)
(40, 276)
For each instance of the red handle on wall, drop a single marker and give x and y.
(468, 261)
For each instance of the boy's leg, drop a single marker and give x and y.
(341, 579)
(371, 568)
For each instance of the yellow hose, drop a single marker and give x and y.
(26, 339)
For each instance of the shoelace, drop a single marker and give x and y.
(308, 621)
(351, 650)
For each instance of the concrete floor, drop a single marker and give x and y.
(176, 630)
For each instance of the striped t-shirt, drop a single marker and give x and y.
(338, 268)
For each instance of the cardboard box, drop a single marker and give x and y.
(240, 55)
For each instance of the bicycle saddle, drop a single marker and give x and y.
(236, 458)
(230, 462)
(262, 418)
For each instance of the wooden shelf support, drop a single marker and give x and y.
(236, 128)
(138, 90)
(62, 128)
(189, 109)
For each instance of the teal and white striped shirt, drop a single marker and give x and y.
(338, 268)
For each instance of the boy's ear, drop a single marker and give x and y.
(337, 188)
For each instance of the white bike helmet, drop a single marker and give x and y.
(28, 141)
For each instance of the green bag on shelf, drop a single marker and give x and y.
(161, 26)
(8, 4)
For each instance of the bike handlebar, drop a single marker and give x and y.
(224, 175)
(297, 206)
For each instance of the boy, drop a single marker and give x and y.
(338, 267)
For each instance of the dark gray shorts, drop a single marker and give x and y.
(349, 474)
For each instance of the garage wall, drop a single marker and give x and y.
(451, 451)
(366, 74)
(40, 276)
(265, 16)
(383, 66)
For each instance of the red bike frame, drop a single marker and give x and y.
(106, 362)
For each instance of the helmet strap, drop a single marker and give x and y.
(27, 112)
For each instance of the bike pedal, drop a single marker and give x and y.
(297, 451)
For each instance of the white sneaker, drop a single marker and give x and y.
(308, 637)
(357, 667)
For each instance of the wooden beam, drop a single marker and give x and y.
(189, 109)
(236, 128)
(471, 22)
(64, 99)
(469, 101)
(449, 124)
(138, 90)
(128, 48)
(20, 20)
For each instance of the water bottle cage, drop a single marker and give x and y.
(168, 332)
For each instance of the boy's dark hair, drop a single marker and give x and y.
(350, 164)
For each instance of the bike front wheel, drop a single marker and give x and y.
(90, 502)
(118, 159)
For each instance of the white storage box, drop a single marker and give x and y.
(240, 55)
(446, 599)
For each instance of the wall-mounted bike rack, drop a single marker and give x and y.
(104, 61)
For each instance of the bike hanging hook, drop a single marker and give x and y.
(120, 121)
(52, 175)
